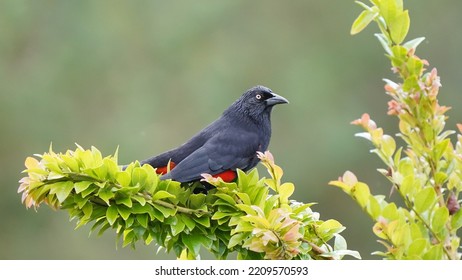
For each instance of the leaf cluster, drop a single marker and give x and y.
(253, 216)
(427, 171)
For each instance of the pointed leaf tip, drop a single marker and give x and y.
(363, 20)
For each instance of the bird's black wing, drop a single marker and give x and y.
(178, 154)
(221, 152)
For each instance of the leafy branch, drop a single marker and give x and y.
(252, 216)
(427, 171)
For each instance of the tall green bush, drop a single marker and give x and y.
(426, 171)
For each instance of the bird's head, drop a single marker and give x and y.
(257, 101)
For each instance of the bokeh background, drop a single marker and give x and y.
(146, 75)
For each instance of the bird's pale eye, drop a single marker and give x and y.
(258, 96)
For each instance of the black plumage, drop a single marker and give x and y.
(228, 143)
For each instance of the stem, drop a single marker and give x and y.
(78, 177)
(180, 208)
(317, 249)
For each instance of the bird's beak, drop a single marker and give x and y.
(276, 99)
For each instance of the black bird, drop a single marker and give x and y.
(228, 143)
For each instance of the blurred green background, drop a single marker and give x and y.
(146, 75)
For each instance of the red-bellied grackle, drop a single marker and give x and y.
(228, 143)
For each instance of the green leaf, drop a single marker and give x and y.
(285, 191)
(253, 177)
(81, 186)
(399, 55)
(440, 177)
(388, 145)
(80, 201)
(112, 167)
(237, 239)
(373, 207)
(140, 199)
(71, 163)
(161, 195)
(384, 42)
(330, 227)
(391, 11)
(62, 190)
(417, 247)
(220, 215)
(388, 10)
(86, 158)
(260, 197)
(425, 199)
(390, 212)
(128, 237)
(204, 220)
(302, 208)
(189, 222)
(414, 66)
(399, 27)
(435, 253)
(345, 187)
(192, 242)
(413, 44)
(339, 243)
(247, 209)
(245, 198)
(196, 201)
(440, 218)
(141, 209)
(32, 163)
(123, 178)
(456, 220)
(100, 171)
(53, 175)
(155, 214)
(51, 163)
(142, 220)
(243, 227)
(111, 214)
(139, 176)
(270, 203)
(271, 183)
(124, 212)
(259, 222)
(106, 194)
(411, 83)
(97, 157)
(90, 190)
(362, 21)
(440, 148)
(407, 185)
(226, 198)
(125, 200)
(87, 210)
(361, 193)
(99, 222)
(399, 233)
(166, 212)
(405, 167)
(242, 179)
(177, 227)
(418, 230)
